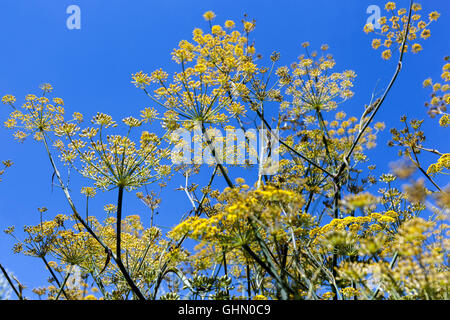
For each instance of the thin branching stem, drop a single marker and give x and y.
(19, 296)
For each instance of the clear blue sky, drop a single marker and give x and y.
(91, 68)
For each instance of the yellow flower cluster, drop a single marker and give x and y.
(356, 225)
(418, 273)
(394, 27)
(66, 240)
(9, 99)
(118, 161)
(39, 115)
(271, 240)
(209, 64)
(439, 167)
(349, 292)
(313, 85)
(231, 225)
(328, 295)
(440, 98)
(6, 164)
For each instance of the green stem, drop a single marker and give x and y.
(119, 224)
(10, 282)
(61, 288)
(379, 102)
(54, 276)
(119, 262)
(218, 163)
(249, 289)
(377, 290)
(86, 226)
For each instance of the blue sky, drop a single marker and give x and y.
(91, 68)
